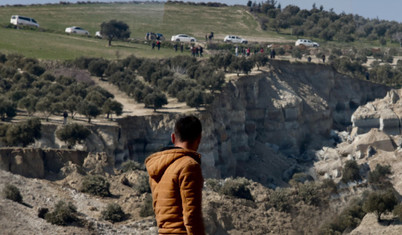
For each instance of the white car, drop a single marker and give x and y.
(76, 30)
(23, 20)
(306, 42)
(183, 38)
(235, 39)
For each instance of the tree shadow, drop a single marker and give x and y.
(27, 205)
(388, 222)
(124, 46)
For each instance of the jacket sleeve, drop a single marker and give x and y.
(191, 183)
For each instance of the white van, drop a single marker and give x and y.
(22, 20)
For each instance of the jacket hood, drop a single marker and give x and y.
(158, 162)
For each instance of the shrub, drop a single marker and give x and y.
(73, 133)
(113, 213)
(142, 184)
(131, 166)
(213, 184)
(310, 193)
(280, 200)
(82, 62)
(146, 207)
(95, 185)
(350, 172)
(236, 188)
(297, 53)
(347, 220)
(379, 177)
(63, 214)
(329, 186)
(12, 192)
(34, 69)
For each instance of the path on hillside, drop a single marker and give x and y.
(132, 108)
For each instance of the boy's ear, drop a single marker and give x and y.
(173, 137)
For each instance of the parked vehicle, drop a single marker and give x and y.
(183, 38)
(235, 39)
(98, 34)
(306, 42)
(23, 20)
(156, 36)
(76, 30)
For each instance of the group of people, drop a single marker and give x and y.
(175, 46)
(247, 51)
(197, 51)
(157, 44)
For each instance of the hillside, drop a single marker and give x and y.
(50, 41)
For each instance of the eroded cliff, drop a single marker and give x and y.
(259, 126)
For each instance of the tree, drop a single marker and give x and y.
(72, 103)
(260, 60)
(115, 30)
(23, 133)
(43, 105)
(72, 134)
(7, 108)
(195, 98)
(89, 110)
(222, 61)
(380, 202)
(155, 100)
(398, 37)
(98, 67)
(213, 81)
(112, 106)
(242, 65)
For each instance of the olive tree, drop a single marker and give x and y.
(115, 30)
(73, 134)
(111, 106)
(155, 100)
(380, 202)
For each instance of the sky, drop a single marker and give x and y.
(383, 9)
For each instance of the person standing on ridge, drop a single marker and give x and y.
(176, 181)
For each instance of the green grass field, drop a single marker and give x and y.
(52, 43)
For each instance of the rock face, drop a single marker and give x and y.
(37, 163)
(259, 126)
(384, 114)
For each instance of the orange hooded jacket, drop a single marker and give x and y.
(176, 182)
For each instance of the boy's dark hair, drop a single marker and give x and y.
(188, 128)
